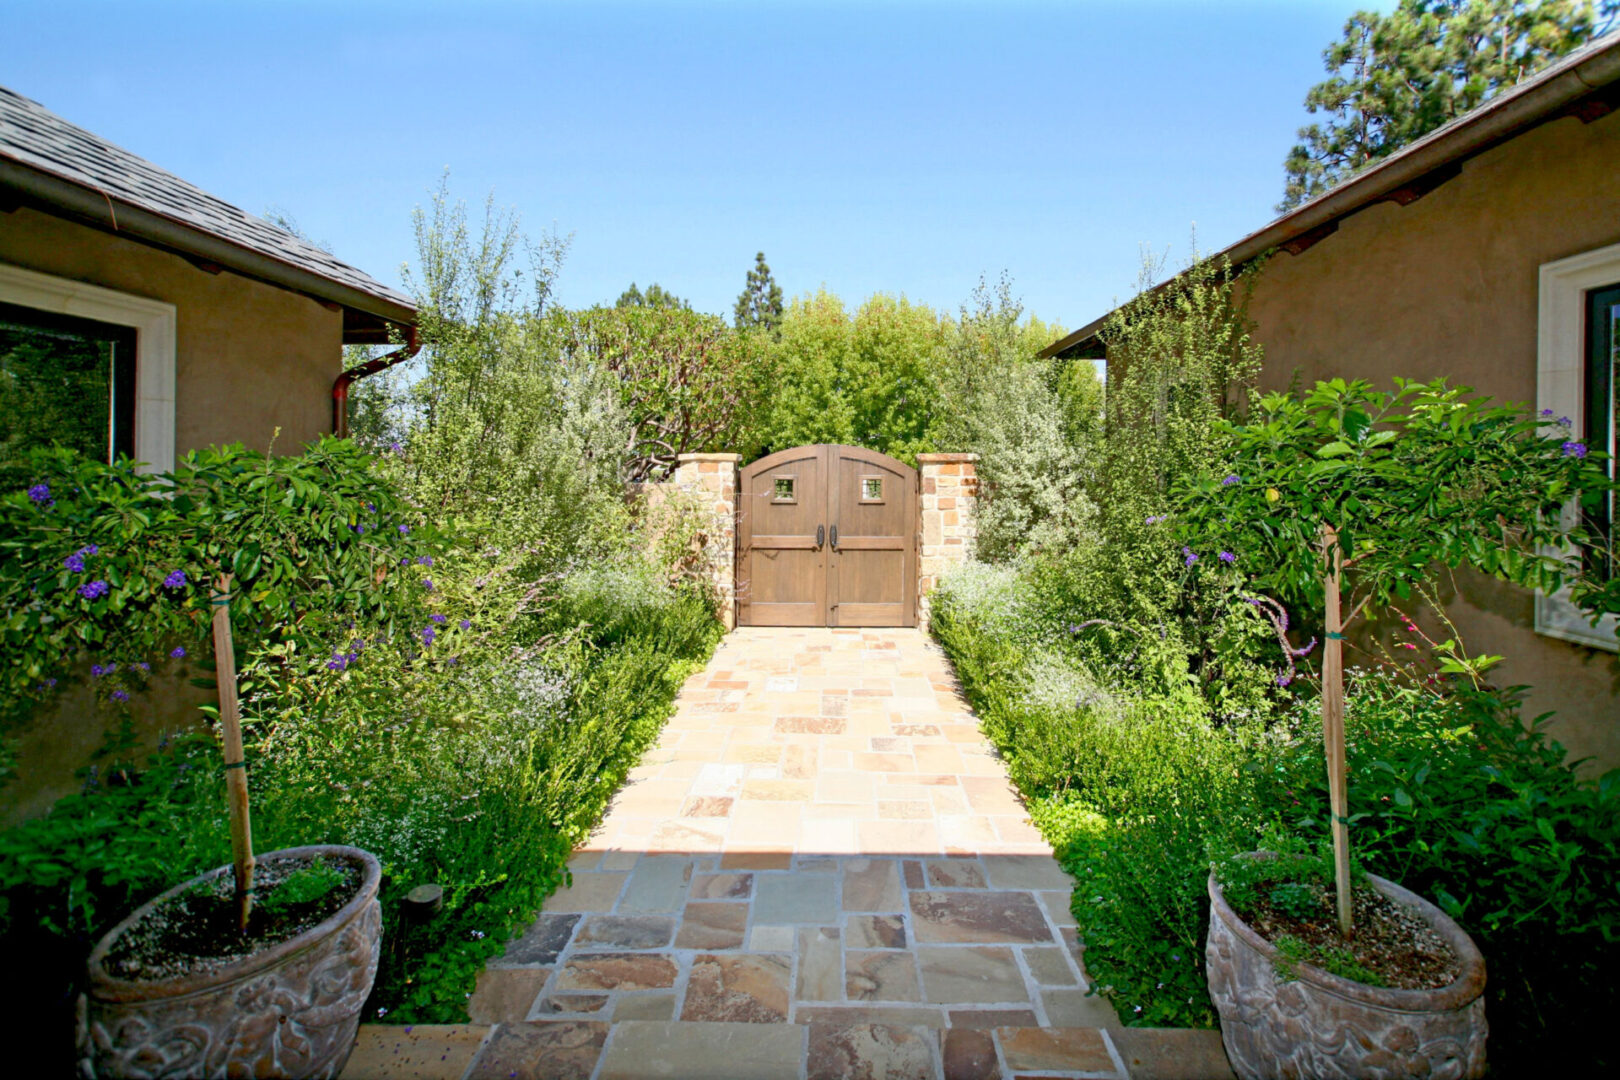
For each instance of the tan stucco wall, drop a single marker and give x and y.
(1448, 286)
(249, 356)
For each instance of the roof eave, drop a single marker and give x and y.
(1509, 115)
(90, 207)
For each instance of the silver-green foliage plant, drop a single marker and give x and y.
(1031, 421)
(504, 429)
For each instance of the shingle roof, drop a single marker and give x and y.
(38, 139)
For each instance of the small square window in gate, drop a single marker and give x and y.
(782, 489)
(871, 489)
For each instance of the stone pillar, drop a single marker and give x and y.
(711, 481)
(948, 504)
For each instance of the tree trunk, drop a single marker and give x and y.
(230, 722)
(1333, 721)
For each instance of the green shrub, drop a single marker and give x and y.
(1137, 793)
(1457, 798)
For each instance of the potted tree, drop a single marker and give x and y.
(260, 967)
(1338, 503)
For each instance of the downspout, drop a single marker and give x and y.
(340, 386)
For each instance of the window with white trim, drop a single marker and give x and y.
(1576, 365)
(63, 341)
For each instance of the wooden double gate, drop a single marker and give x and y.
(827, 536)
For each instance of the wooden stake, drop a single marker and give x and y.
(230, 722)
(1333, 722)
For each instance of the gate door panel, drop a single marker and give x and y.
(871, 577)
(827, 536)
(784, 561)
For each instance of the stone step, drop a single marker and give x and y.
(713, 1050)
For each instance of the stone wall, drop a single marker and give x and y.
(710, 480)
(948, 504)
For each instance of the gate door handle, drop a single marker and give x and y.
(835, 538)
(821, 535)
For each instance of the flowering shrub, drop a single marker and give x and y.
(1353, 496)
(104, 562)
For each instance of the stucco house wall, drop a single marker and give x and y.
(1448, 285)
(249, 356)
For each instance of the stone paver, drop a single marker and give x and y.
(820, 869)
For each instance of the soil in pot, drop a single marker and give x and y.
(1391, 947)
(196, 932)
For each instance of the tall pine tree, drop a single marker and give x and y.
(760, 304)
(1397, 77)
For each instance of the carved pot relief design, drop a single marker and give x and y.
(288, 1011)
(1321, 1025)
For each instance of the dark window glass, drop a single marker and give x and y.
(1603, 401)
(64, 382)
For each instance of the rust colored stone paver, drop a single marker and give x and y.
(820, 870)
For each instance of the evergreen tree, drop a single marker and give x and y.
(760, 304)
(656, 296)
(1397, 77)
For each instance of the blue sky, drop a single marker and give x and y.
(900, 146)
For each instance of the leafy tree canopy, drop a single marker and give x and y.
(760, 304)
(1394, 78)
(656, 296)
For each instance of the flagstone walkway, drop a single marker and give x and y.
(819, 871)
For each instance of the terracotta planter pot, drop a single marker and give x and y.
(1321, 1025)
(290, 1010)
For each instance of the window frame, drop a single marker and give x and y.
(154, 323)
(1562, 352)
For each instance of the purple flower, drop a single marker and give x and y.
(371, 508)
(337, 663)
(465, 624)
(1562, 421)
(1231, 479)
(428, 634)
(1305, 649)
(175, 580)
(89, 549)
(1574, 449)
(48, 684)
(1284, 680)
(1546, 412)
(94, 590)
(179, 652)
(427, 583)
(97, 671)
(404, 530)
(437, 618)
(396, 448)
(426, 560)
(1190, 557)
(40, 494)
(74, 562)
(120, 695)
(1228, 557)
(1154, 520)
(143, 665)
